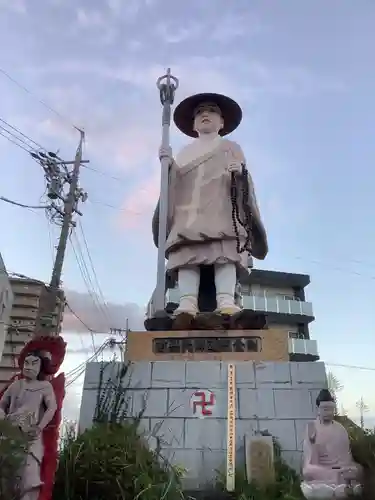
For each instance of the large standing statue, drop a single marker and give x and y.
(329, 470)
(213, 217)
(33, 402)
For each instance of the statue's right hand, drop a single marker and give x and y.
(166, 153)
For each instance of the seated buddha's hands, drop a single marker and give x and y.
(166, 153)
(348, 473)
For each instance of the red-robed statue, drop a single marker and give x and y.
(33, 401)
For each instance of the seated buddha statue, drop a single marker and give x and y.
(329, 470)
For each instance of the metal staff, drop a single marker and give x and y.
(167, 85)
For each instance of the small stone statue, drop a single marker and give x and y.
(203, 227)
(329, 470)
(33, 403)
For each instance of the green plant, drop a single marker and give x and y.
(111, 461)
(286, 485)
(13, 453)
(362, 444)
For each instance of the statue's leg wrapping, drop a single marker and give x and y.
(31, 495)
(31, 480)
(188, 284)
(225, 282)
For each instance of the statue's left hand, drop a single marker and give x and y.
(34, 432)
(235, 167)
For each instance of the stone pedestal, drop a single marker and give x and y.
(274, 396)
(209, 345)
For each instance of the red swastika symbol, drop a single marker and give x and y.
(203, 403)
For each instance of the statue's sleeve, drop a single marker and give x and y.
(259, 240)
(51, 440)
(155, 218)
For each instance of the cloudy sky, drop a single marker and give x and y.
(303, 74)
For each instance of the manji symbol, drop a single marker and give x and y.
(202, 401)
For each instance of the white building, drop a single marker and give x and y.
(6, 303)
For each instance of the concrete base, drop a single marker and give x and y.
(277, 397)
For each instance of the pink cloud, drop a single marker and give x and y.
(139, 206)
(134, 146)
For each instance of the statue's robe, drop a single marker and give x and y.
(200, 228)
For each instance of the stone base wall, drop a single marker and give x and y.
(278, 397)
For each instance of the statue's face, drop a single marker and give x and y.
(31, 367)
(207, 119)
(327, 411)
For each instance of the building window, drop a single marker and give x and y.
(289, 297)
(296, 335)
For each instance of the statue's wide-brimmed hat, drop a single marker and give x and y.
(230, 110)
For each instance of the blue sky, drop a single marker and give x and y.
(302, 73)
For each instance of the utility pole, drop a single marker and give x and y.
(118, 331)
(56, 178)
(122, 332)
(69, 208)
(362, 407)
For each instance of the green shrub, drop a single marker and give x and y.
(362, 444)
(111, 461)
(13, 449)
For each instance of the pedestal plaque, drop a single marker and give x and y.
(214, 345)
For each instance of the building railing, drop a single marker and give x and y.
(264, 304)
(303, 346)
(31, 301)
(277, 305)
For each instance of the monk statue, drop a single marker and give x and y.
(214, 225)
(329, 470)
(32, 402)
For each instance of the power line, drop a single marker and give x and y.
(50, 237)
(93, 269)
(105, 174)
(352, 367)
(114, 207)
(22, 141)
(82, 323)
(78, 254)
(7, 200)
(13, 141)
(18, 138)
(43, 103)
(79, 319)
(79, 370)
(38, 146)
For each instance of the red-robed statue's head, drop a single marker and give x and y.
(51, 349)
